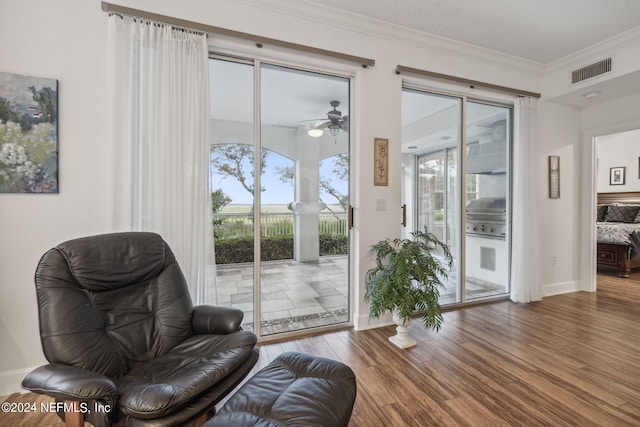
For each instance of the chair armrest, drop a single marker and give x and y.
(210, 319)
(66, 382)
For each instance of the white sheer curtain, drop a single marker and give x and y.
(159, 87)
(526, 274)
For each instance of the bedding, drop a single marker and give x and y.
(620, 232)
(622, 213)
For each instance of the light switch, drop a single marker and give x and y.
(381, 204)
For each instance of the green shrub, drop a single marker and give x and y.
(240, 249)
(333, 244)
(276, 247)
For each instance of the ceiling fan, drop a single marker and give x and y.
(336, 122)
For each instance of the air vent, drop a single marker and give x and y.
(488, 258)
(590, 71)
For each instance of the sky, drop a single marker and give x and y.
(276, 192)
(286, 96)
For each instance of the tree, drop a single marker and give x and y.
(341, 171)
(341, 166)
(7, 113)
(5, 110)
(234, 159)
(219, 200)
(342, 199)
(47, 100)
(286, 174)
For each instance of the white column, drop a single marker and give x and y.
(306, 235)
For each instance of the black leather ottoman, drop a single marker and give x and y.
(294, 389)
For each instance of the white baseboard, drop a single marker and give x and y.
(363, 322)
(560, 288)
(10, 381)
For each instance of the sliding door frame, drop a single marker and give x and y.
(257, 197)
(461, 165)
(257, 63)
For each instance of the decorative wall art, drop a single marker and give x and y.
(28, 134)
(380, 161)
(616, 175)
(554, 177)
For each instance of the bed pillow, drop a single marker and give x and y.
(602, 213)
(637, 220)
(619, 213)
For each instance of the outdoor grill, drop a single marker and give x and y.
(487, 217)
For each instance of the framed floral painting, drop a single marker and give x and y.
(381, 161)
(28, 134)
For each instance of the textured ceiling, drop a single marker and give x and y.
(543, 31)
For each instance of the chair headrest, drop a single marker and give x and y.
(115, 260)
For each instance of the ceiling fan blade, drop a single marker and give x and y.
(344, 124)
(334, 117)
(313, 120)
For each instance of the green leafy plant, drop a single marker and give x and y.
(408, 277)
(233, 250)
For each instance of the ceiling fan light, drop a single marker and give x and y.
(315, 133)
(334, 129)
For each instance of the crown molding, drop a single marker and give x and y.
(604, 48)
(356, 23)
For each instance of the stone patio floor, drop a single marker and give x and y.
(294, 295)
(297, 296)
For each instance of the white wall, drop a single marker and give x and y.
(618, 150)
(43, 39)
(559, 136)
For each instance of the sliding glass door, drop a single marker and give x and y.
(463, 200)
(232, 184)
(488, 142)
(280, 165)
(431, 130)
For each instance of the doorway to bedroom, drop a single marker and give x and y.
(617, 186)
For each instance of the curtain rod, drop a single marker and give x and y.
(402, 69)
(258, 40)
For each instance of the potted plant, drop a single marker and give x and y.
(407, 278)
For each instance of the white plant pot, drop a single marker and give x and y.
(401, 338)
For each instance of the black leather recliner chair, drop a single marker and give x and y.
(125, 344)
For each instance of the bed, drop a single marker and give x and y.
(618, 232)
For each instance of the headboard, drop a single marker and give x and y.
(627, 197)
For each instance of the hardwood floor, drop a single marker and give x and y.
(569, 360)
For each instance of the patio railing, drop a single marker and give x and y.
(231, 225)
